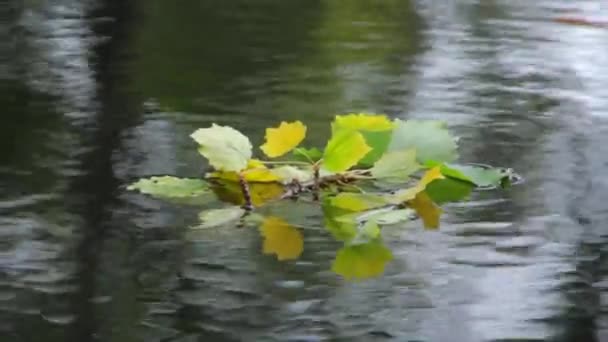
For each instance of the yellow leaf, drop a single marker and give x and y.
(431, 175)
(281, 239)
(256, 172)
(409, 194)
(283, 139)
(428, 211)
(261, 193)
(362, 121)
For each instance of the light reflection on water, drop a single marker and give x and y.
(82, 260)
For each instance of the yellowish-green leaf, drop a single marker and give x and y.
(376, 130)
(428, 211)
(309, 155)
(281, 238)
(261, 193)
(362, 122)
(283, 139)
(362, 261)
(256, 172)
(396, 166)
(170, 187)
(358, 202)
(410, 193)
(226, 148)
(344, 150)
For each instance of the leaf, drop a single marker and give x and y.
(219, 217)
(344, 150)
(260, 192)
(448, 190)
(362, 261)
(376, 129)
(281, 239)
(426, 209)
(410, 193)
(341, 223)
(430, 139)
(283, 139)
(256, 171)
(396, 166)
(226, 148)
(309, 155)
(288, 174)
(362, 122)
(393, 216)
(480, 176)
(168, 186)
(358, 202)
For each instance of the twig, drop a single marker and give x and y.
(246, 191)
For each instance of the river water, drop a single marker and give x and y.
(98, 93)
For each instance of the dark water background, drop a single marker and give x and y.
(94, 94)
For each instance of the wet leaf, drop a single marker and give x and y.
(168, 186)
(260, 192)
(288, 174)
(344, 150)
(396, 166)
(281, 238)
(393, 216)
(448, 190)
(226, 148)
(219, 217)
(480, 176)
(256, 171)
(358, 202)
(283, 139)
(376, 129)
(335, 221)
(362, 261)
(309, 155)
(404, 195)
(428, 211)
(430, 139)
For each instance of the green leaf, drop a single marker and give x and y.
(393, 216)
(358, 202)
(309, 155)
(479, 176)
(408, 194)
(379, 142)
(366, 231)
(168, 186)
(448, 190)
(335, 222)
(396, 166)
(219, 217)
(226, 148)
(344, 150)
(375, 128)
(362, 261)
(430, 139)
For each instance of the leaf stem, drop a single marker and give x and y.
(246, 191)
(316, 174)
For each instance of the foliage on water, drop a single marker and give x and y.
(372, 172)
